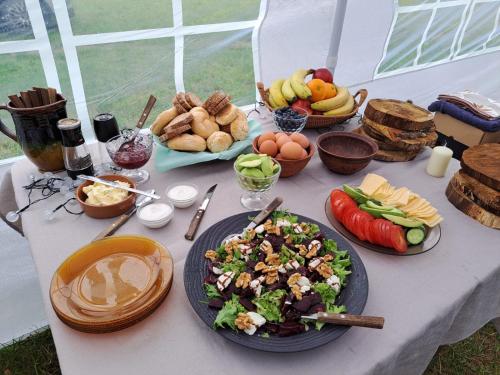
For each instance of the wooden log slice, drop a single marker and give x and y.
(374, 130)
(393, 133)
(398, 114)
(483, 163)
(387, 155)
(468, 207)
(381, 145)
(477, 192)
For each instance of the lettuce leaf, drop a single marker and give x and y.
(211, 291)
(269, 305)
(227, 315)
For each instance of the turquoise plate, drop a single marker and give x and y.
(166, 159)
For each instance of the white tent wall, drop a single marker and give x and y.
(366, 27)
(294, 34)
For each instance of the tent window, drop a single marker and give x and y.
(110, 55)
(427, 33)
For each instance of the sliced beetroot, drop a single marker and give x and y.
(210, 279)
(315, 298)
(292, 315)
(272, 327)
(290, 328)
(276, 241)
(303, 305)
(278, 285)
(319, 237)
(216, 303)
(262, 257)
(319, 307)
(247, 304)
(251, 263)
(302, 270)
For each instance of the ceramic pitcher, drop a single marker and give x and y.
(37, 132)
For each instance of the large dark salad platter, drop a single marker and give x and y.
(254, 290)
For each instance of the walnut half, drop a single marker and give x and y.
(243, 280)
(243, 321)
(211, 254)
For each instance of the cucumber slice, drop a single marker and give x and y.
(415, 236)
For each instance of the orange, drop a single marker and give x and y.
(331, 91)
(317, 87)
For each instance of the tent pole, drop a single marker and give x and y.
(338, 25)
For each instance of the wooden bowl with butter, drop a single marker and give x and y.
(106, 211)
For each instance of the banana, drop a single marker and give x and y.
(272, 102)
(298, 84)
(288, 92)
(275, 91)
(343, 110)
(333, 103)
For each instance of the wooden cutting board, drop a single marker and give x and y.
(468, 207)
(375, 131)
(398, 114)
(483, 163)
(388, 155)
(479, 193)
(381, 145)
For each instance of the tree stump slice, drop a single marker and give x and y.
(398, 114)
(387, 155)
(483, 163)
(381, 145)
(468, 207)
(476, 191)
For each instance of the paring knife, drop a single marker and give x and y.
(140, 202)
(262, 215)
(348, 320)
(195, 223)
(118, 186)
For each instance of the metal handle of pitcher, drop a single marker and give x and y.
(4, 129)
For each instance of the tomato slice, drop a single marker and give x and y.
(398, 239)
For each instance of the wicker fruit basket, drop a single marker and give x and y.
(320, 121)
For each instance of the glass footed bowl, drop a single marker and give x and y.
(254, 197)
(131, 156)
(286, 123)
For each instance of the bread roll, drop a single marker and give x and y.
(201, 124)
(187, 142)
(239, 126)
(227, 114)
(162, 120)
(219, 141)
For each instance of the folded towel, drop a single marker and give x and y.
(482, 106)
(464, 115)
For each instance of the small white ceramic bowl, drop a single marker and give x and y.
(157, 222)
(182, 203)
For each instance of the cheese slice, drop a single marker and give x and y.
(371, 183)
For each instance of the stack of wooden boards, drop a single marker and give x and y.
(475, 189)
(401, 129)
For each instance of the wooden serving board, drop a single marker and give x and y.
(468, 207)
(388, 155)
(478, 192)
(483, 163)
(395, 134)
(381, 145)
(398, 114)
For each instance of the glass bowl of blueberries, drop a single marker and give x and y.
(290, 120)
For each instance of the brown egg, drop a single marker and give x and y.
(304, 154)
(282, 140)
(291, 151)
(266, 136)
(280, 134)
(268, 147)
(301, 139)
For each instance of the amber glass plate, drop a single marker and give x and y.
(112, 283)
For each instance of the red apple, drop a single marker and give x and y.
(323, 74)
(304, 105)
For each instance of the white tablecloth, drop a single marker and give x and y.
(438, 297)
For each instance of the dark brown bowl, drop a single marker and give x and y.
(289, 168)
(105, 212)
(344, 152)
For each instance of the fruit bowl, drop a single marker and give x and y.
(344, 152)
(289, 168)
(320, 121)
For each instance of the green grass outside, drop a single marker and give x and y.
(479, 355)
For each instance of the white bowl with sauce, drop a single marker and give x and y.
(156, 215)
(182, 195)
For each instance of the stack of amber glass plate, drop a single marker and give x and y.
(112, 283)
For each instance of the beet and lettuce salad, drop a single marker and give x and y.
(266, 279)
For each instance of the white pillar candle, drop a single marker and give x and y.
(439, 160)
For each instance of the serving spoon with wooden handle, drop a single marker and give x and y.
(348, 319)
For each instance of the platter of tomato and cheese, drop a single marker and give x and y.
(383, 218)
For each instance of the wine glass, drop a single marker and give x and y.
(131, 155)
(254, 197)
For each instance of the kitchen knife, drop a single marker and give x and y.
(140, 202)
(348, 320)
(117, 186)
(195, 223)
